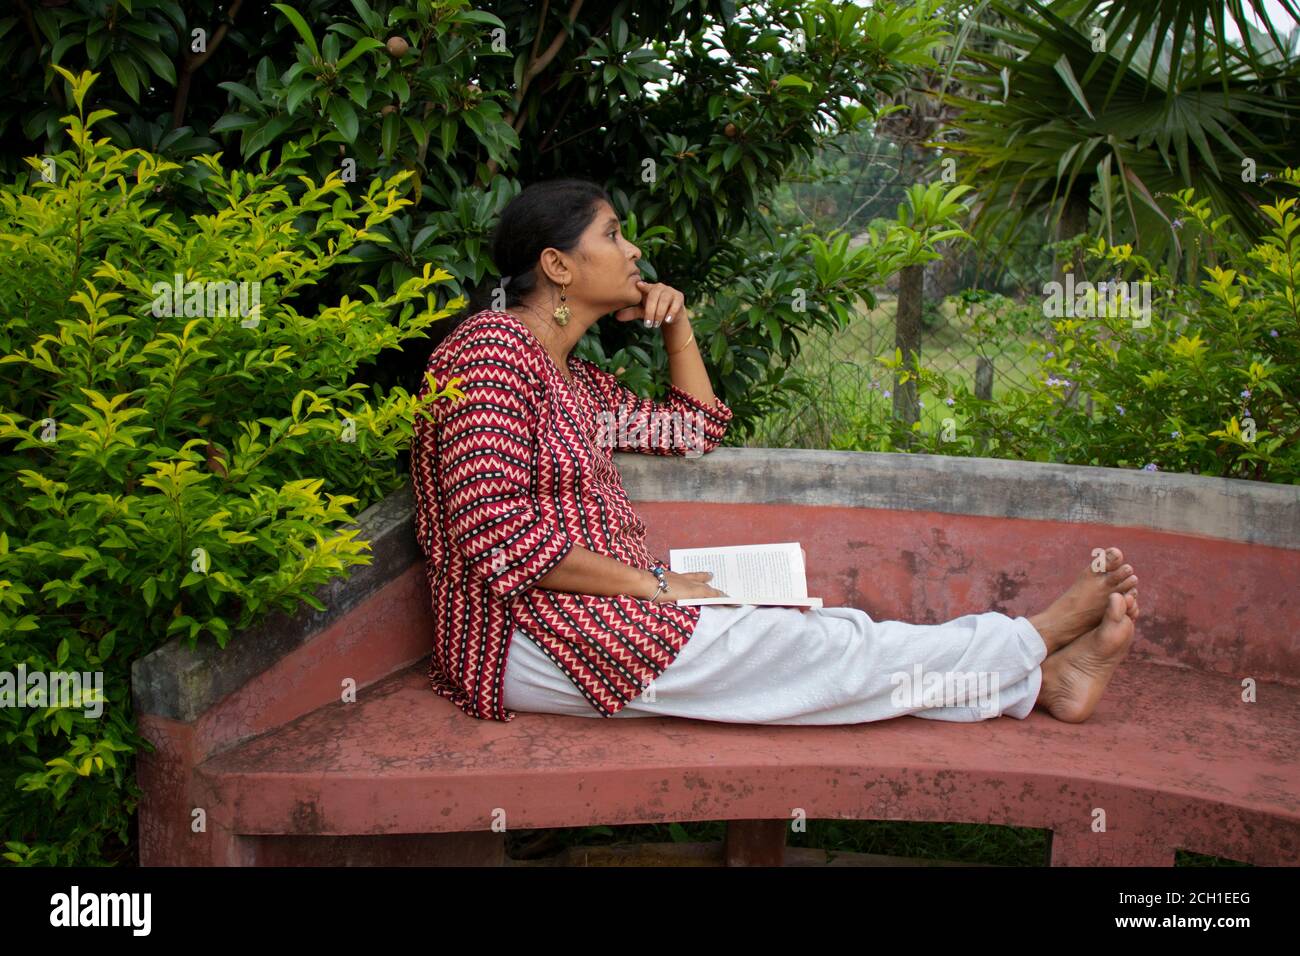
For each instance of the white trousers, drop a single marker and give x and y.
(756, 664)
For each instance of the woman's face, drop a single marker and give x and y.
(607, 275)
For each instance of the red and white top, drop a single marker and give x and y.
(506, 481)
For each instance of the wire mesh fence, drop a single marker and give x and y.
(991, 344)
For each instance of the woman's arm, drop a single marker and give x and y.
(685, 364)
(586, 572)
(690, 422)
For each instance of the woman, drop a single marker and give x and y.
(544, 595)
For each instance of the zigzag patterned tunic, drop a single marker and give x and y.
(507, 480)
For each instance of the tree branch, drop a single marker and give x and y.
(537, 63)
(191, 62)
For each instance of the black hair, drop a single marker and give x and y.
(554, 213)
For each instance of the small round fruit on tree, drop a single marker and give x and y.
(397, 47)
(730, 131)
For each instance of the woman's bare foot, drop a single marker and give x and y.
(1075, 677)
(1079, 609)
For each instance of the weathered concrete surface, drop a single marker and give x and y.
(373, 638)
(260, 741)
(1172, 757)
(1248, 511)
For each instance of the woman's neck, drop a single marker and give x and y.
(558, 343)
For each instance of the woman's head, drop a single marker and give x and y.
(561, 234)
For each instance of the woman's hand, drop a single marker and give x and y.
(660, 303)
(688, 585)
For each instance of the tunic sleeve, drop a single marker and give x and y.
(682, 425)
(487, 457)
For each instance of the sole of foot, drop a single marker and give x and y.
(1080, 608)
(1075, 677)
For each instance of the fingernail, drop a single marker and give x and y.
(669, 319)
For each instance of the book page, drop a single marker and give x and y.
(770, 572)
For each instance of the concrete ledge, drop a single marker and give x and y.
(180, 684)
(1250, 512)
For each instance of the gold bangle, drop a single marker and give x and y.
(686, 343)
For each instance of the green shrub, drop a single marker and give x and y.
(1210, 386)
(170, 466)
(479, 99)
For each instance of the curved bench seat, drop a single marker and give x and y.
(1225, 783)
(1174, 757)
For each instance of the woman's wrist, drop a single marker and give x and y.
(641, 583)
(678, 335)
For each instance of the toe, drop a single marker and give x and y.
(1113, 558)
(1116, 607)
(1120, 575)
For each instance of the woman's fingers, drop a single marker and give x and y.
(654, 309)
(661, 303)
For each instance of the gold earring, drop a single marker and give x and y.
(561, 312)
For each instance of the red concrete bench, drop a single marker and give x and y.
(259, 761)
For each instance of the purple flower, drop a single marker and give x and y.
(1051, 355)
(948, 401)
(1177, 224)
(1175, 434)
(886, 393)
(1120, 409)
(1245, 413)
(1150, 466)
(1273, 332)
(1245, 393)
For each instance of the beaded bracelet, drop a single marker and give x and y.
(658, 572)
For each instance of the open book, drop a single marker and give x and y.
(748, 574)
